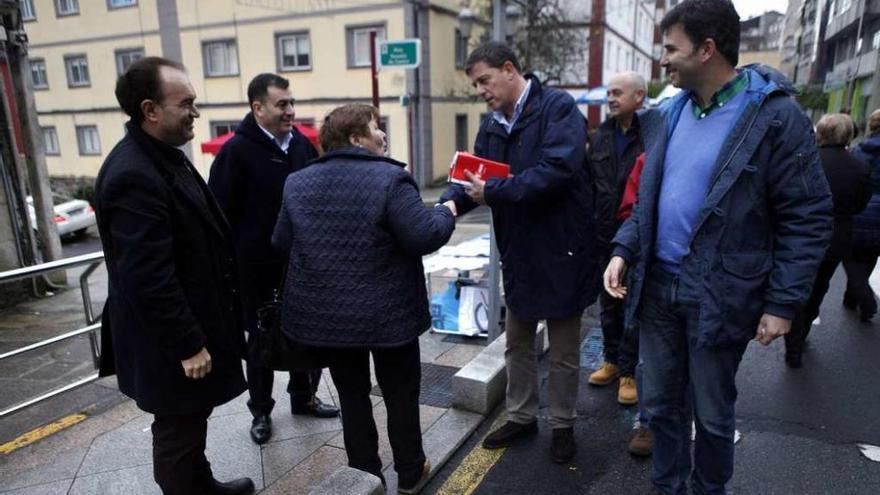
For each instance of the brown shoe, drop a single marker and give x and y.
(627, 394)
(417, 487)
(640, 444)
(604, 375)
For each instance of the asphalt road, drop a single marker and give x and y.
(88, 243)
(800, 428)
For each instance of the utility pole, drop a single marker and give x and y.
(25, 161)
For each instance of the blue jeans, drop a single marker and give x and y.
(681, 379)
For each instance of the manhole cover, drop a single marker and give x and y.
(436, 385)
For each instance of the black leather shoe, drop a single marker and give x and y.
(241, 486)
(509, 433)
(261, 429)
(315, 408)
(562, 447)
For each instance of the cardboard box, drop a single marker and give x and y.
(486, 169)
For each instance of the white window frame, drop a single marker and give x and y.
(39, 64)
(66, 7)
(215, 124)
(296, 37)
(71, 64)
(121, 4)
(50, 146)
(120, 55)
(229, 49)
(27, 10)
(354, 35)
(88, 140)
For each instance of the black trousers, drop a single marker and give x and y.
(621, 346)
(398, 371)
(301, 387)
(803, 320)
(859, 265)
(179, 463)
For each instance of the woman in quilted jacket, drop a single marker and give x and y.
(355, 229)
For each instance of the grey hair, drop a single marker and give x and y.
(834, 129)
(634, 79)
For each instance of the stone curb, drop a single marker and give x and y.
(482, 383)
(348, 481)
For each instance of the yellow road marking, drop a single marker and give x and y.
(41, 432)
(473, 468)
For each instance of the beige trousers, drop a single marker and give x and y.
(522, 369)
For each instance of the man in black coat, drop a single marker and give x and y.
(247, 178)
(613, 152)
(172, 322)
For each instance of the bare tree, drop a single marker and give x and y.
(550, 40)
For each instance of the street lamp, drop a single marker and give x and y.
(514, 15)
(466, 22)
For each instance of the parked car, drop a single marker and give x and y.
(72, 216)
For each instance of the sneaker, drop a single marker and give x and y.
(604, 375)
(419, 484)
(627, 394)
(509, 433)
(640, 443)
(562, 447)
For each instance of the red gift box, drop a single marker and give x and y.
(486, 169)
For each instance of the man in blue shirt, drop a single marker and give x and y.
(732, 219)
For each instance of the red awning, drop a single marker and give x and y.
(213, 146)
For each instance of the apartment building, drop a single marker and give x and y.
(622, 38)
(79, 47)
(761, 38)
(852, 42)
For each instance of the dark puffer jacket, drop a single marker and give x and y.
(356, 229)
(866, 225)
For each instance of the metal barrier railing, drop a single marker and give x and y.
(93, 260)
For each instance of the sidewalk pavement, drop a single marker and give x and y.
(109, 452)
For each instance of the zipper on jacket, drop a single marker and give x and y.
(802, 171)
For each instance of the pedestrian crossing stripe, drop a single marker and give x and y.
(41, 433)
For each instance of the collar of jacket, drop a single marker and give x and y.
(529, 113)
(166, 158)
(249, 129)
(356, 154)
(763, 81)
(610, 124)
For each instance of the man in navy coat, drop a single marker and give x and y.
(247, 178)
(543, 225)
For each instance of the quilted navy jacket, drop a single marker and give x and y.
(356, 229)
(866, 230)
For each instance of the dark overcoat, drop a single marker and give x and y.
(247, 178)
(172, 279)
(866, 225)
(543, 215)
(355, 229)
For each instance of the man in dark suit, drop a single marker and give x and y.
(172, 322)
(247, 178)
